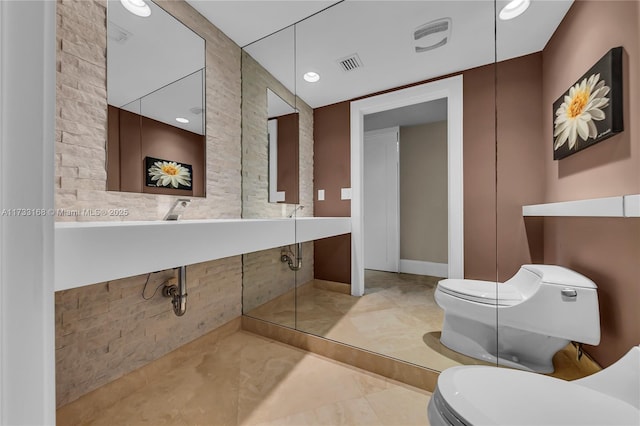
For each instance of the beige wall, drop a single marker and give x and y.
(423, 192)
(607, 250)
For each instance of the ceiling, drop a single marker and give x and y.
(154, 66)
(245, 21)
(381, 34)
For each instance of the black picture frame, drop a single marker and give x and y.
(583, 110)
(149, 163)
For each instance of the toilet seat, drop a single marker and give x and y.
(515, 397)
(481, 291)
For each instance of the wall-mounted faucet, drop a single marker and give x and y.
(288, 257)
(177, 209)
(300, 207)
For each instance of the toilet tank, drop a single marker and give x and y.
(564, 305)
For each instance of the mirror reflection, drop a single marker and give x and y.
(410, 241)
(155, 92)
(282, 134)
(268, 283)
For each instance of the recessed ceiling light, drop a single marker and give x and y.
(311, 76)
(137, 7)
(513, 9)
(182, 120)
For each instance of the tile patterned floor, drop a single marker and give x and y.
(246, 379)
(397, 317)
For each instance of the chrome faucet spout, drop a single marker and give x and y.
(300, 207)
(177, 209)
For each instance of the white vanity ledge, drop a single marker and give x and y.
(619, 206)
(92, 252)
(315, 228)
(632, 205)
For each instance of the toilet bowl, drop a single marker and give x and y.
(523, 322)
(481, 395)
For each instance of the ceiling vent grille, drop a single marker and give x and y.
(350, 62)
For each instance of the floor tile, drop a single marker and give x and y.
(242, 379)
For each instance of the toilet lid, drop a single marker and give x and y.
(481, 291)
(499, 396)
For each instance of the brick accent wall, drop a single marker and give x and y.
(106, 330)
(255, 148)
(81, 122)
(266, 277)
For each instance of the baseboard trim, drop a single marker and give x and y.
(419, 267)
(391, 368)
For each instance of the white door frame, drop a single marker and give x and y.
(450, 88)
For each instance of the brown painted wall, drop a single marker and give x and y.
(332, 259)
(332, 171)
(519, 158)
(332, 158)
(135, 137)
(479, 161)
(288, 157)
(607, 250)
(333, 163)
(611, 167)
(160, 140)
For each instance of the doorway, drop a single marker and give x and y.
(451, 90)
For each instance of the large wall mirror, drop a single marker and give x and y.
(269, 169)
(156, 100)
(270, 127)
(507, 163)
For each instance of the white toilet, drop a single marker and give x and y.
(523, 322)
(479, 395)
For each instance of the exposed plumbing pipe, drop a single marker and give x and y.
(284, 257)
(178, 293)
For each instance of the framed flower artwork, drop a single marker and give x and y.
(167, 174)
(591, 110)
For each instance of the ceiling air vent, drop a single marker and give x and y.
(350, 62)
(432, 35)
(117, 33)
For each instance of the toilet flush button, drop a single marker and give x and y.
(569, 293)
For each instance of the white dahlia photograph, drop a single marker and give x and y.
(580, 109)
(170, 174)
